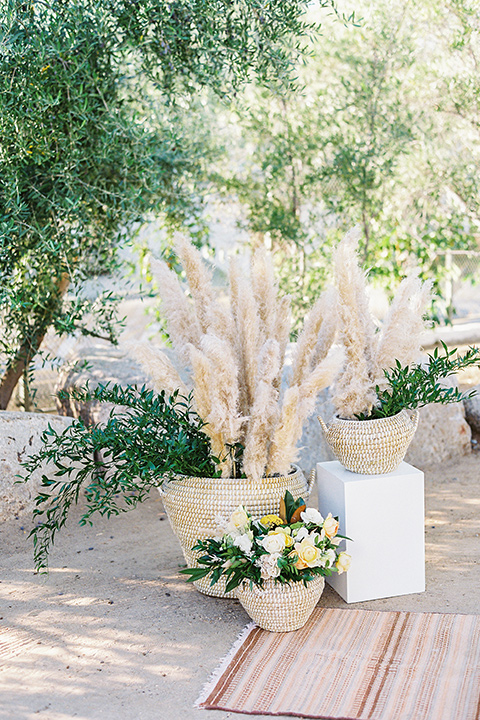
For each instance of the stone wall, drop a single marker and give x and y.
(20, 434)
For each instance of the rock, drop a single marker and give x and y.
(21, 437)
(472, 410)
(442, 434)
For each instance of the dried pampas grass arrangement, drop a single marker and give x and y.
(235, 355)
(370, 350)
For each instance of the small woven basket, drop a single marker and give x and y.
(280, 607)
(371, 447)
(193, 503)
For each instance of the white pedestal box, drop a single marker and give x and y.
(384, 517)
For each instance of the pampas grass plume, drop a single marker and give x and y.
(247, 326)
(265, 411)
(158, 367)
(316, 337)
(265, 291)
(404, 326)
(354, 390)
(223, 416)
(283, 450)
(202, 381)
(182, 323)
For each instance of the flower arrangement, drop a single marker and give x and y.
(295, 546)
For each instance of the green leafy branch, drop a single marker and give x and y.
(419, 385)
(116, 464)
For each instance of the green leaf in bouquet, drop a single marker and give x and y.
(195, 573)
(290, 509)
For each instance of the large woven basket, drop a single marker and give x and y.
(278, 607)
(192, 504)
(371, 447)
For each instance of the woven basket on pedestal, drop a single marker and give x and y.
(193, 503)
(281, 607)
(371, 447)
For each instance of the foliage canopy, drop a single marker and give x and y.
(93, 138)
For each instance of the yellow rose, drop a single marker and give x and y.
(343, 563)
(330, 526)
(271, 520)
(287, 532)
(308, 554)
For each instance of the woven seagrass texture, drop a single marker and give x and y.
(281, 608)
(371, 447)
(192, 504)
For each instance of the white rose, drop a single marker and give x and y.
(239, 518)
(329, 557)
(269, 566)
(310, 515)
(244, 543)
(274, 542)
(238, 522)
(301, 534)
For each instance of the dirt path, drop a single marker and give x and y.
(114, 632)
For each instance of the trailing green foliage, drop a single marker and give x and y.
(147, 438)
(419, 385)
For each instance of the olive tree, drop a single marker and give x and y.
(383, 133)
(96, 102)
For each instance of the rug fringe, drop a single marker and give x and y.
(224, 662)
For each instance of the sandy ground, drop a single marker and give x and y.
(115, 633)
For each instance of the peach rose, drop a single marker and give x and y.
(308, 554)
(330, 526)
(343, 563)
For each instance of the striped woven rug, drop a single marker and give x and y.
(355, 665)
